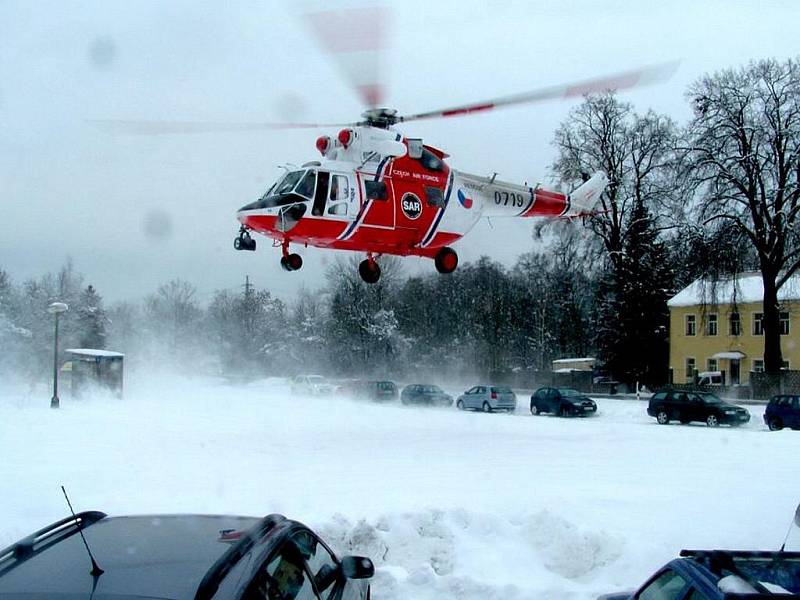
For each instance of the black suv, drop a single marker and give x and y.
(180, 556)
(564, 402)
(688, 406)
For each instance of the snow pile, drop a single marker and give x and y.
(448, 554)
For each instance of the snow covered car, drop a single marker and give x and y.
(488, 398)
(420, 393)
(180, 556)
(721, 575)
(564, 402)
(311, 385)
(688, 406)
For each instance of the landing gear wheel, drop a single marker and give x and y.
(369, 270)
(446, 260)
(292, 262)
(244, 242)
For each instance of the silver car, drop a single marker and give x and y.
(488, 398)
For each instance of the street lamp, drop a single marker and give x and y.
(56, 308)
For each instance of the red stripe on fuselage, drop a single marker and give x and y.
(547, 204)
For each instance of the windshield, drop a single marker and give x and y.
(709, 398)
(431, 389)
(569, 392)
(316, 379)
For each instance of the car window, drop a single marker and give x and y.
(796, 402)
(667, 586)
(502, 390)
(695, 595)
(659, 396)
(321, 563)
(481, 390)
(283, 577)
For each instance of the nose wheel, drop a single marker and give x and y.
(244, 241)
(369, 270)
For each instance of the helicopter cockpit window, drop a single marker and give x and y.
(306, 186)
(287, 183)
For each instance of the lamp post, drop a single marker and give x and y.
(56, 308)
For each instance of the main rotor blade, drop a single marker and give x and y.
(126, 127)
(355, 39)
(627, 79)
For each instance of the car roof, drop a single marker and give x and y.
(157, 556)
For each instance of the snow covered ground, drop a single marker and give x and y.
(448, 504)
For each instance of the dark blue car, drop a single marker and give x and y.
(783, 411)
(180, 557)
(722, 575)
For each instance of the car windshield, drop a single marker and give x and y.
(227, 227)
(771, 573)
(711, 399)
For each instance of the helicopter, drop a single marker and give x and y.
(378, 192)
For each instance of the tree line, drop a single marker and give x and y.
(706, 199)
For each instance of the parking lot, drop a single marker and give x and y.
(449, 504)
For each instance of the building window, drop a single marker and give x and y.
(711, 324)
(690, 325)
(690, 368)
(758, 366)
(711, 364)
(784, 323)
(758, 323)
(735, 324)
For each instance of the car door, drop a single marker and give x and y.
(469, 397)
(479, 397)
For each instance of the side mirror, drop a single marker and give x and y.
(357, 567)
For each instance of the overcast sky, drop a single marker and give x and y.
(133, 212)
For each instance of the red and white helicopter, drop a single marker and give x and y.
(378, 192)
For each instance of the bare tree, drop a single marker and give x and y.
(635, 151)
(744, 159)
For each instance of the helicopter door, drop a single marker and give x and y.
(321, 194)
(342, 198)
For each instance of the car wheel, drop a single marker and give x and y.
(486, 407)
(662, 417)
(460, 405)
(775, 424)
(712, 420)
(535, 410)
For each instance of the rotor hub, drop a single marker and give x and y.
(381, 117)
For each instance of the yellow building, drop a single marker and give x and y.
(717, 326)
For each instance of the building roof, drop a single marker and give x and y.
(93, 352)
(745, 289)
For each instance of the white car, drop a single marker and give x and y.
(311, 385)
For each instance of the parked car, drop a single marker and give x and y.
(564, 402)
(688, 406)
(488, 398)
(721, 575)
(311, 385)
(710, 378)
(378, 391)
(421, 393)
(783, 411)
(180, 556)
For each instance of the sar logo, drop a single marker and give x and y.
(465, 200)
(411, 205)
